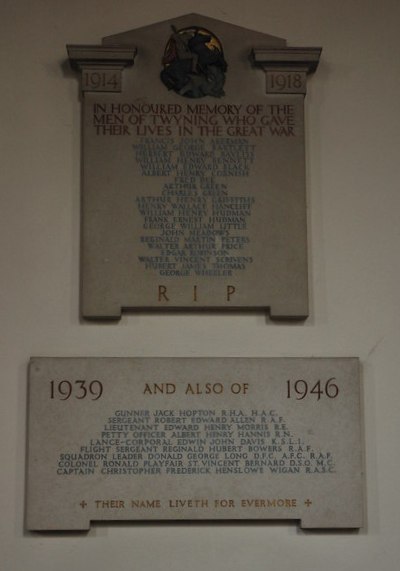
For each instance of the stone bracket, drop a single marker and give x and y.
(101, 66)
(286, 69)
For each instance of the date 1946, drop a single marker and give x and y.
(300, 389)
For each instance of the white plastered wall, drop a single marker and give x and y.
(353, 166)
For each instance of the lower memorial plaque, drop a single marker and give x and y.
(194, 438)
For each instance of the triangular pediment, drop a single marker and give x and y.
(243, 36)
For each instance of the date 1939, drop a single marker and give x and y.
(80, 389)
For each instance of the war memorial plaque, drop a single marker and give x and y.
(193, 169)
(195, 438)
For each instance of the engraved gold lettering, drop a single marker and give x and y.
(239, 388)
(162, 293)
(188, 503)
(145, 504)
(230, 290)
(223, 503)
(208, 388)
(110, 504)
(269, 503)
(163, 388)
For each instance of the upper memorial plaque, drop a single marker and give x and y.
(193, 169)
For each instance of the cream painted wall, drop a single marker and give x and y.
(354, 242)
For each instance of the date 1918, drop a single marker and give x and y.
(300, 389)
(80, 389)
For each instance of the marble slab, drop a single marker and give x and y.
(115, 439)
(193, 187)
